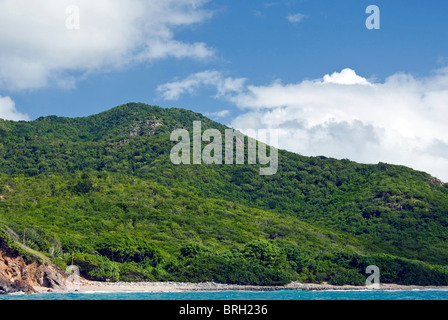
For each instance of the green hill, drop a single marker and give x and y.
(102, 191)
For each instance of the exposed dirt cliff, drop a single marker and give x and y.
(23, 270)
(18, 275)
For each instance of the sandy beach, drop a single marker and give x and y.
(95, 286)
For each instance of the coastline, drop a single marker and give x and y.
(85, 286)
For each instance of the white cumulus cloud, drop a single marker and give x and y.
(8, 110)
(346, 76)
(37, 48)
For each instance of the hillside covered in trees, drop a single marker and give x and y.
(101, 192)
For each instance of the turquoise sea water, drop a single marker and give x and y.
(241, 295)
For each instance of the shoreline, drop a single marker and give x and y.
(85, 286)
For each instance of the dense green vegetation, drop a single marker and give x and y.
(102, 193)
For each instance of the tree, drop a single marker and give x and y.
(263, 251)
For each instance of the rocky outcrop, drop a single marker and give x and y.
(18, 275)
(435, 181)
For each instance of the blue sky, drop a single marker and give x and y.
(248, 64)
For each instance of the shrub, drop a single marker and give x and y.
(347, 277)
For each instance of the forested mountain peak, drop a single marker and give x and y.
(131, 119)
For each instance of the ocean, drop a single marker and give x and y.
(242, 295)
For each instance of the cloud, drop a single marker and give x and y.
(112, 34)
(218, 114)
(8, 110)
(225, 86)
(296, 18)
(346, 76)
